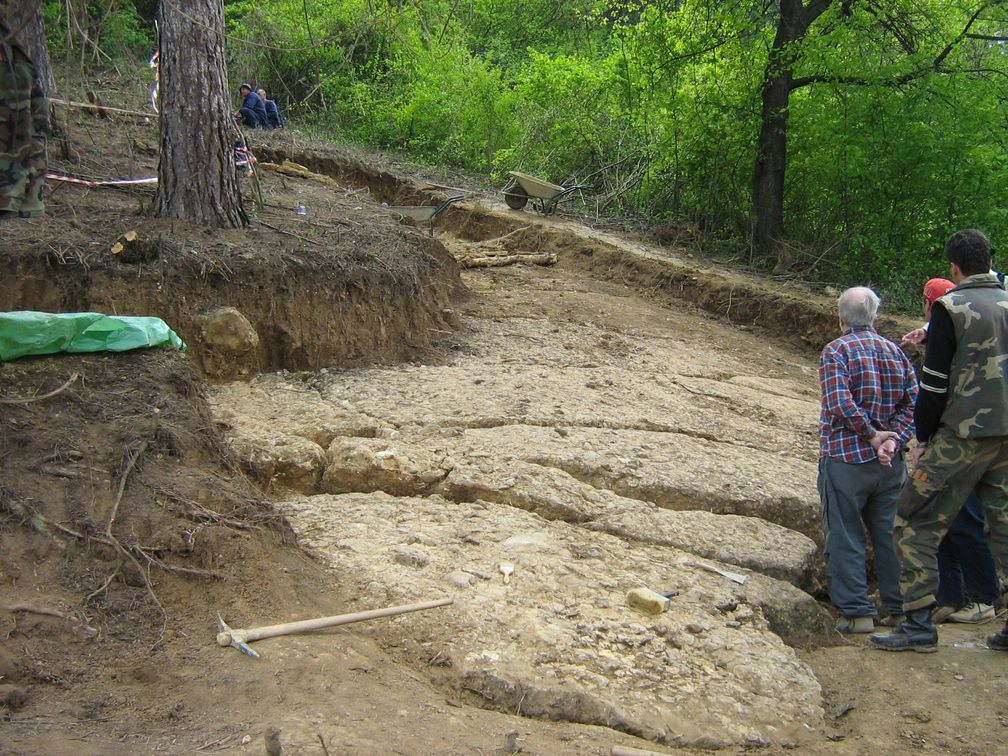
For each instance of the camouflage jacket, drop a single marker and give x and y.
(977, 405)
(24, 106)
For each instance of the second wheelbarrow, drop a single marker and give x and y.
(420, 213)
(522, 187)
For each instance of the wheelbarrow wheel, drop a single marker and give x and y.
(515, 197)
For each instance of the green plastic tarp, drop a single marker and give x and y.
(26, 332)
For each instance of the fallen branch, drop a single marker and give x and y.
(508, 242)
(429, 186)
(495, 261)
(30, 399)
(508, 235)
(35, 610)
(96, 106)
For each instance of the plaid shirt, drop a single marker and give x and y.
(867, 385)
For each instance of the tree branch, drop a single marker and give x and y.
(962, 35)
(934, 66)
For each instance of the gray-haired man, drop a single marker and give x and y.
(868, 388)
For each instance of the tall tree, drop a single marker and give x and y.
(912, 40)
(196, 175)
(771, 148)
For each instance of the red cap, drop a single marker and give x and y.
(935, 288)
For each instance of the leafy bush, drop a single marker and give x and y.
(97, 31)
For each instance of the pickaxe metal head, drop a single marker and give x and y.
(236, 638)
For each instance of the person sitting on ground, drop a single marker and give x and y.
(252, 111)
(868, 389)
(274, 119)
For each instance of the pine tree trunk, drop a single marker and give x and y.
(196, 175)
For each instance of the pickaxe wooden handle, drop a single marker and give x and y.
(241, 638)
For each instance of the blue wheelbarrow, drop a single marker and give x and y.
(521, 188)
(425, 214)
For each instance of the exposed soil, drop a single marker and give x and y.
(88, 661)
(342, 285)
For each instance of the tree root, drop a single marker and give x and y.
(114, 510)
(198, 512)
(76, 617)
(103, 587)
(30, 399)
(142, 558)
(45, 611)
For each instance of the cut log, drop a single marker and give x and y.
(495, 261)
(130, 247)
(127, 239)
(290, 168)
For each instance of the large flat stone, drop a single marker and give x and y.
(672, 471)
(554, 494)
(559, 639)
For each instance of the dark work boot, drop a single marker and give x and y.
(999, 641)
(915, 633)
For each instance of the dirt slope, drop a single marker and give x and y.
(89, 664)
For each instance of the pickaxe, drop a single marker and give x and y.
(241, 638)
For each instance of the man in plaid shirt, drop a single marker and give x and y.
(868, 391)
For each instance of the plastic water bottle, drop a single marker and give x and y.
(302, 210)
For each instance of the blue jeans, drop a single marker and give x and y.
(856, 499)
(966, 570)
(249, 118)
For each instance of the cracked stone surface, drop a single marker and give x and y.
(598, 443)
(559, 640)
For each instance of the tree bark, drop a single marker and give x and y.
(196, 175)
(771, 149)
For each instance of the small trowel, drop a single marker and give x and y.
(733, 576)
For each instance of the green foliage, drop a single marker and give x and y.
(894, 131)
(102, 32)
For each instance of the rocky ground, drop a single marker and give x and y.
(598, 443)
(629, 417)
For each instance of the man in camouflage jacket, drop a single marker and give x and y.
(24, 125)
(961, 420)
